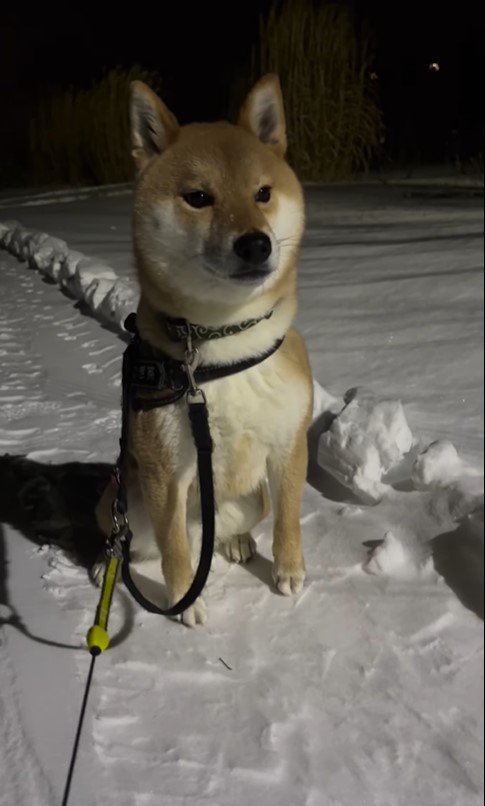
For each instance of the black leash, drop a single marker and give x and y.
(200, 429)
(72, 763)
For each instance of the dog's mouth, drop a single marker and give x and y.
(250, 275)
(244, 275)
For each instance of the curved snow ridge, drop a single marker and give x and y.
(95, 283)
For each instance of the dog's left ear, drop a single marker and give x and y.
(264, 115)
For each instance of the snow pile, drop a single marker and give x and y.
(392, 557)
(453, 495)
(369, 437)
(94, 282)
(366, 439)
(457, 487)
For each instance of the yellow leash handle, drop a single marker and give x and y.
(97, 637)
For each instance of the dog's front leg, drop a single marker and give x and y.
(166, 501)
(287, 474)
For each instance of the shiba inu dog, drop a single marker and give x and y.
(218, 218)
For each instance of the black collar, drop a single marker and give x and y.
(146, 369)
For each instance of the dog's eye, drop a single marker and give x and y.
(263, 194)
(198, 199)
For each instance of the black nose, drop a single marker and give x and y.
(253, 248)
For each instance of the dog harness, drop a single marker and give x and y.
(151, 379)
(148, 370)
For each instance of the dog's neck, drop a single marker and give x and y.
(231, 348)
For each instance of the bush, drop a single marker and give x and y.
(324, 63)
(82, 136)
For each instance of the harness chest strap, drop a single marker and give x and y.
(147, 369)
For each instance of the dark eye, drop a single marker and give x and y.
(198, 199)
(263, 194)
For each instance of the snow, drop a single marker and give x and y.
(91, 281)
(365, 440)
(391, 557)
(365, 689)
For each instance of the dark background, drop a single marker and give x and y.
(199, 49)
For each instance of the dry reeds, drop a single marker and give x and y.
(82, 136)
(324, 64)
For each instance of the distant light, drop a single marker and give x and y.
(434, 67)
(374, 76)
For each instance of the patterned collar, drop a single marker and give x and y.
(181, 330)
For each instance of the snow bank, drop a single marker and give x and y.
(455, 493)
(369, 437)
(108, 297)
(366, 439)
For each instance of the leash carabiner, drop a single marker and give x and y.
(97, 637)
(191, 362)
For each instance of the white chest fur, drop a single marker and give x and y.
(251, 414)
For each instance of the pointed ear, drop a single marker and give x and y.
(264, 115)
(153, 127)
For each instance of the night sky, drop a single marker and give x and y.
(199, 48)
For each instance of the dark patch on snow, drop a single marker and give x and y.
(458, 556)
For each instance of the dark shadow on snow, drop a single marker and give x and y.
(458, 557)
(10, 616)
(319, 478)
(261, 568)
(54, 504)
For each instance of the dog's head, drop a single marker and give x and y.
(218, 212)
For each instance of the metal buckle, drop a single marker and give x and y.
(191, 362)
(120, 528)
(117, 512)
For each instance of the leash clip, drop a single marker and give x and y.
(191, 362)
(120, 530)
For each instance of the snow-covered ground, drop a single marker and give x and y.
(366, 689)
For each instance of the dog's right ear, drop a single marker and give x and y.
(153, 127)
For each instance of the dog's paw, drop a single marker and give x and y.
(196, 614)
(240, 548)
(289, 580)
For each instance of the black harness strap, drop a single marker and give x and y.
(150, 370)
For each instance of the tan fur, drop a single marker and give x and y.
(186, 262)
